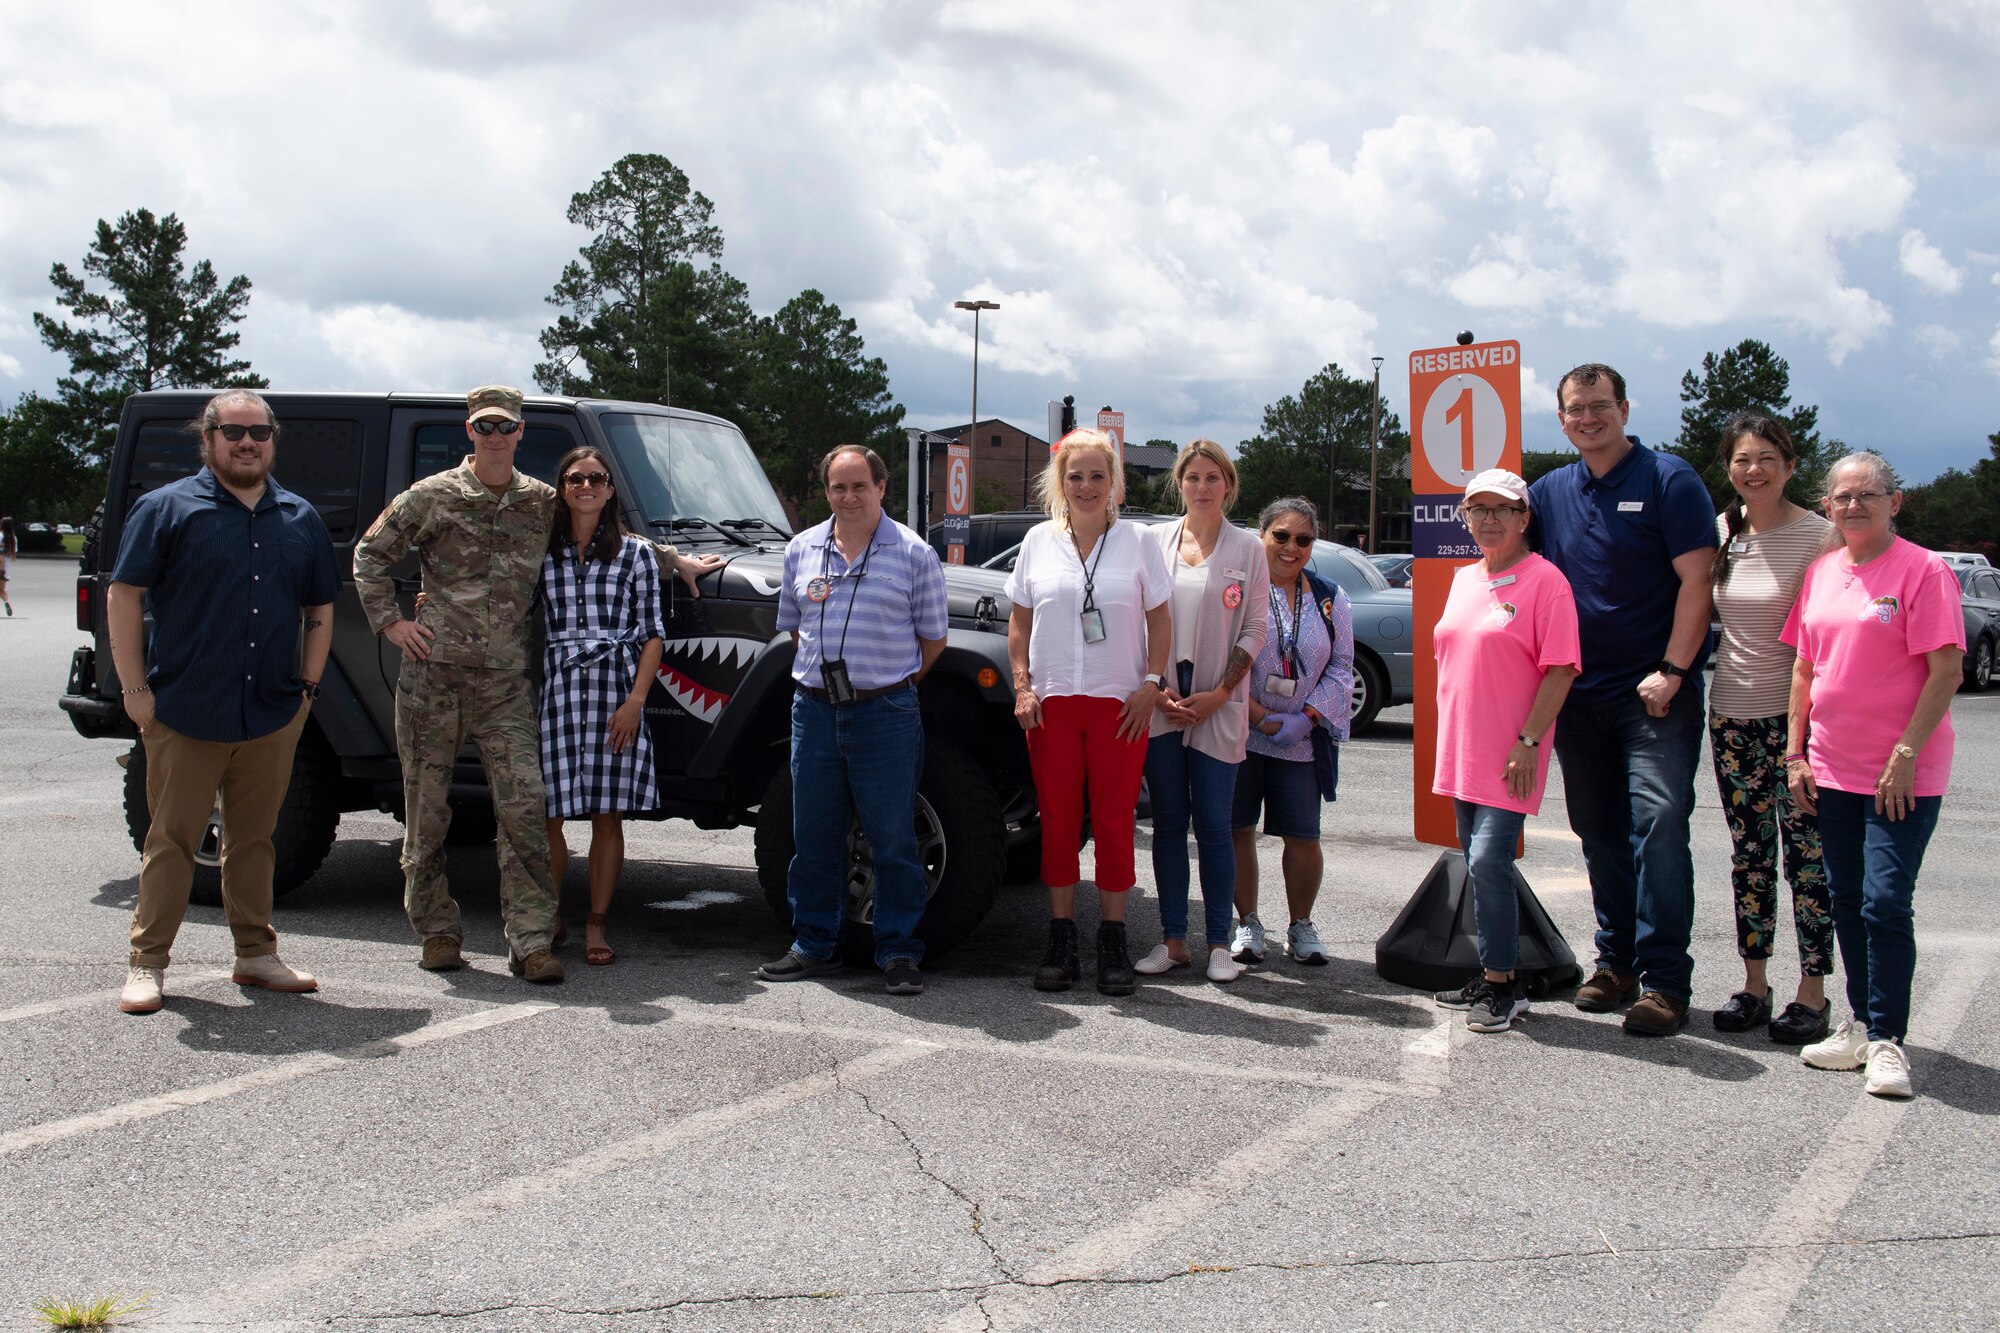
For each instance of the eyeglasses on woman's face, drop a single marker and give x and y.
(576, 481)
(1849, 499)
(1279, 537)
(1480, 513)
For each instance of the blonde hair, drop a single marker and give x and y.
(1212, 451)
(1048, 488)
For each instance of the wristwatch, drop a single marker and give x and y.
(1667, 668)
(1907, 752)
(309, 688)
(1532, 745)
(1156, 680)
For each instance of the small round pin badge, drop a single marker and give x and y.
(1232, 596)
(818, 589)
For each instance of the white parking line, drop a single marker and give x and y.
(268, 1291)
(94, 998)
(35, 1136)
(1763, 1290)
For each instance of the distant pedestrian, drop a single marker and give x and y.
(9, 547)
(864, 601)
(480, 531)
(1880, 631)
(1221, 606)
(1766, 544)
(1301, 694)
(231, 564)
(1087, 641)
(1507, 651)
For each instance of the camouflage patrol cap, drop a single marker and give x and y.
(493, 400)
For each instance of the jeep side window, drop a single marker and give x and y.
(319, 459)
(441, 445)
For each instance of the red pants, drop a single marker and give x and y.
(1077, 745)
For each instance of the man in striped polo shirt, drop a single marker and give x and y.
(864, 601)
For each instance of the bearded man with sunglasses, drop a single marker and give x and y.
(230, 563)
(479, 531)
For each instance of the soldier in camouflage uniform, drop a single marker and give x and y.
(480, 531)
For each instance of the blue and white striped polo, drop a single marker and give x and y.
(874, 610)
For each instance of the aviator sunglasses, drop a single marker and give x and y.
(487, 425)
(232, 432)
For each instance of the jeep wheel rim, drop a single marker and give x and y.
(209, 851)
(931, 855)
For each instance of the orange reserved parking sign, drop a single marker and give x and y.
(1465, 411)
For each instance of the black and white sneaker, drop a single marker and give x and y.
(902, 977)
(1497, 1007)
(795, 966)
(1465, 996)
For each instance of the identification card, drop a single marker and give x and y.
(1500, 582)
(1280, 686)
(818, 589)
(1738, 547)
(1631, 506)
(839, 689)
(1093, 626)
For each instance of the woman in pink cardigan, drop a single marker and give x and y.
(1221, 602)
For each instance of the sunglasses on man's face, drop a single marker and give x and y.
(576, 481)
(1301, 539)
(232, 432)
(487, 425)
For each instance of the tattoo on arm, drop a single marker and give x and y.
(1238, 668)
(312, 624)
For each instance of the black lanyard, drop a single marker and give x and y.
(1291, 661)
(825, 562)
(1090, 568)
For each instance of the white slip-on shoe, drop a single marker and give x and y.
(1248, 944)
(1222, 969)
(1888, 1070)
(267, 971)
(1847, 1048)
(141, 994)
(1158, 961)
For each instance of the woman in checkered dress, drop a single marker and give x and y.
(600, 598)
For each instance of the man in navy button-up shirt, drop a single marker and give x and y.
(230, 563)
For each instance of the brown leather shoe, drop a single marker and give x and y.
(1656, 1015)
(1605, 991)
(441, 954)
(541, 967)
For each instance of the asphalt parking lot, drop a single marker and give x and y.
(668, 1143)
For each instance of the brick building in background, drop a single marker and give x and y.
(1006, 461)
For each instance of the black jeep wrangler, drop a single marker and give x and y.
(720, 711)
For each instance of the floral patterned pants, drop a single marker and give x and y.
(1750, 775)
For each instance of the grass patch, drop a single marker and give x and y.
(103, 1312)
(73, 542)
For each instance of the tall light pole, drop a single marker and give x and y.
(1374, 442)
(972, 431)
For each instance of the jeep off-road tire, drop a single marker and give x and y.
(307, 821)
(960, 839)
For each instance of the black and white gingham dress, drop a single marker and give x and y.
(597, 616)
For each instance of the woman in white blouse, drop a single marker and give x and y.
(1221, 604)
(1087, 642)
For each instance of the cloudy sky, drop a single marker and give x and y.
(1183, 209)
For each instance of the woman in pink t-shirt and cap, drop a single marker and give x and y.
(1506, 652)
(1881, 637)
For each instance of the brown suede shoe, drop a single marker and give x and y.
(1605, 991)
(1656, 1015)
(441, 954)
(541, 967)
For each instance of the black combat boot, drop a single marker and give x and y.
(1114, 966)
(1059, 967)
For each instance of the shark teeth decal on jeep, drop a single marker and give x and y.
(702, 673)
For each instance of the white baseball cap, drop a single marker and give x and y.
(1498, 481)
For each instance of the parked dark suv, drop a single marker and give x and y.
(720, 710)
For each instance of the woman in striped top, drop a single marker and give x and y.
(1766, 542)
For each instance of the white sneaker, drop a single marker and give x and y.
(1248, 946)
(1888, 1070)
(1847, 1048)
(142, 990)
(1158, 961)
(1222, 969)
(1302, 943)
(265, 970)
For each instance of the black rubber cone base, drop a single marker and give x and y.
(1434, 942)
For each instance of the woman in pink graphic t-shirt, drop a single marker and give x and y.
(1881, 639)
(1507, 652)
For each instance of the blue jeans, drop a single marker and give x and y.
(1186, 785)
(1871, 867)
(858, 759)
(1629, 781)
(1489, 837)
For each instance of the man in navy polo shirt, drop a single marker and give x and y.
(1634, 532)
(865, 603)
(231, 563)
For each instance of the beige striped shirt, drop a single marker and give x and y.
(1753, 667)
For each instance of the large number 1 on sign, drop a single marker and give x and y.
(1460, 411)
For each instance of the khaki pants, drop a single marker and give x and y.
(184, 780)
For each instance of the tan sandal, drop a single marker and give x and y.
(598, 955)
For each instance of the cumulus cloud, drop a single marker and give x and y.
(1993, 347)
(1938, 341)
(1927, 264)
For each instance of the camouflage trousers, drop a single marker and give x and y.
(439, 708)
